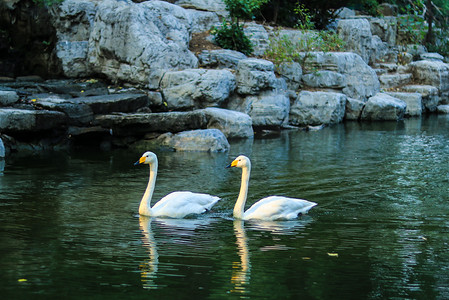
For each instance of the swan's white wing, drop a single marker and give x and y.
(278, 207)
(181, 204)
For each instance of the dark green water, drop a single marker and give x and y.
(69, 228)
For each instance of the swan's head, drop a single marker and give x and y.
(240, 162)
(147, 158)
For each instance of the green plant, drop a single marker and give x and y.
(232, 37)
(47, 2)
(304, 17)
(284, 48)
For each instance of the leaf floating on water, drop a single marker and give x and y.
(22, 280)
(306, 258)
(333, 254)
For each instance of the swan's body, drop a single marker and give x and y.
(174, 205)
(269, 208)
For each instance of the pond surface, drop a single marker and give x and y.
(69, 227)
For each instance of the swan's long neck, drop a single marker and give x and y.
(145, 203)
(239, 207)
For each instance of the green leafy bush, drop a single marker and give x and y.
(232, 37)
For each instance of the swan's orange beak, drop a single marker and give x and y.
(140, 161)
(233, 164)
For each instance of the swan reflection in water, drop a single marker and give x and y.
(148, 268)
(174, 227)
(241, 270)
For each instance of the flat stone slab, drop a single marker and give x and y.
(141, 123)
(107, 104)
(24, 120)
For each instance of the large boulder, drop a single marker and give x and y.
(324, 79)
(385, 28)
(221, 59)
(357, 35)
(292, 73)
(106, 104)
(394, 80)
(361, 80)
(353, 109)
(430, 95)
(413, 101)
(254, 76)
(431, 72)
(258, 36)
(383, 107)
(8, 98)
(315, 108)
(269, 109)
(208, 140)
(196, 88)
(216, 6)
(27, 121)
(131, 42)
(233, 124)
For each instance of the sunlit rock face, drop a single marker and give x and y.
(124, 40)
(196, 88)
(383, 107)
(208, 140)
(315, 108)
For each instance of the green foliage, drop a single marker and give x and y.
(304, 17)
(232, 37)
(243, 9)
(413, 29)
(282, 48)
(47, 2)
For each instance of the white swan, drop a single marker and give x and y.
(174, 205)
(269, 208)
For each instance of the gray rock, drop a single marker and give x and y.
(220, 58)
(255, 75)
(432, 56)
(269, 109)
(73, 57)
(353, 109)
(413, 101)
(122, 49)
(233, 124)
(430, 97)
(258, 37)
(345, 13)
(2, 150)
(381, 51)
(292, 73)
(383, 107)
(197, 88)
(114, 103)
(8, 98)
(385, 28)
(394, 80)
(315, 108)
(141, 123)
(22, 120)
(201, 21)
(443, 109)
(208, 140)
(357, 35)
(216, 6)
(435, 73)
(361, 80)
(324, 79)
(78, 114)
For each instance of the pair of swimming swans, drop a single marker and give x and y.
(181, 204)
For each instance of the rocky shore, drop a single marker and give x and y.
(132, 79)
